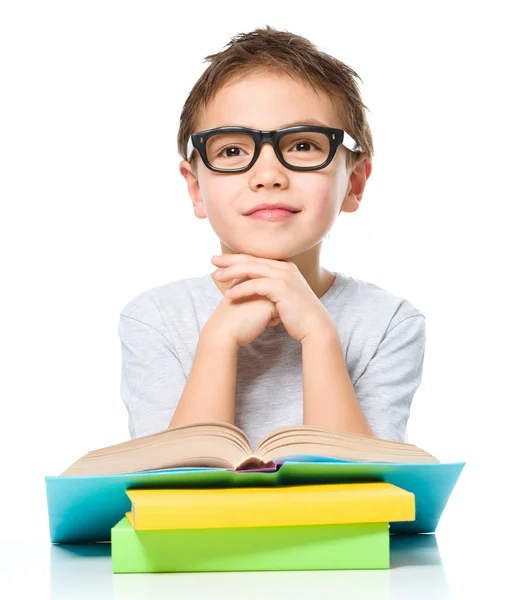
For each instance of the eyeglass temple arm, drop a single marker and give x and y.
(189, 150)
(350, 143)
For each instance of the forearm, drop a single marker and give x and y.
(329, 397)
(209, 391)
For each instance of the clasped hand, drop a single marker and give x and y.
(299, 308)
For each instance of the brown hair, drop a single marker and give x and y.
(269, 49)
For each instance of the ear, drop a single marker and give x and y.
(189, 173)
(357, 181)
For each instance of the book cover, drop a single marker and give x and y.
(375, 502)
(307, 547)
(84, 509)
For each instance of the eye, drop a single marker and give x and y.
(233, 152)
(305, 143)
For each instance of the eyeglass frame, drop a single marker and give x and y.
(336, 137)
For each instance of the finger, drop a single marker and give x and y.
(237, 281)
(230, 259)
(264, 286)
(249, 270)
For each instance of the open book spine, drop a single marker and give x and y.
(253, 462)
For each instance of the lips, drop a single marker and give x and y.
(274, 214)
(270, 207)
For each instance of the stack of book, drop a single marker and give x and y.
(198, 497)
(306, 527)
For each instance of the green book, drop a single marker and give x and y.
(288, 548)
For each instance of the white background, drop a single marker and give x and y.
(94, 211)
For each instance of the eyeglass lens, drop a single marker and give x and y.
(236, 150)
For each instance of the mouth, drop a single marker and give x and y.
(272, 206)
(272, 214)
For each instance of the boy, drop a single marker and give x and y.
(291, 343)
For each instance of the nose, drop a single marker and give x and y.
(267, 171)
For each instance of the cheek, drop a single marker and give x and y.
(222, 197)
(318, 193)
(218, 189)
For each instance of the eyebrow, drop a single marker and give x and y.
(291, 124)
(304, 122)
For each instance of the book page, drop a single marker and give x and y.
(204, 444)
(333, 443)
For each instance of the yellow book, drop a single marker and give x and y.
(373, 502)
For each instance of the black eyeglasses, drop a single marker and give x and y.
(300, 148)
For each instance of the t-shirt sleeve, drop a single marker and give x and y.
(152, 378)
(386, 388)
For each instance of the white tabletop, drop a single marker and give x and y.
(470, 555)
(438, 566)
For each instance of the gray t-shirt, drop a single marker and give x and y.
(383, 338)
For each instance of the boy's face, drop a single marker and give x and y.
(269, 101)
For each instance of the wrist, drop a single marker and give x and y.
(219, 339)
(322, 335)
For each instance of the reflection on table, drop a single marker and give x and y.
(84, 571)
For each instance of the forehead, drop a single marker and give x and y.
(268, 101)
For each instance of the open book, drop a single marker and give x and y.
(222, 445)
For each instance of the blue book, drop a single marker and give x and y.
(84, 508)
